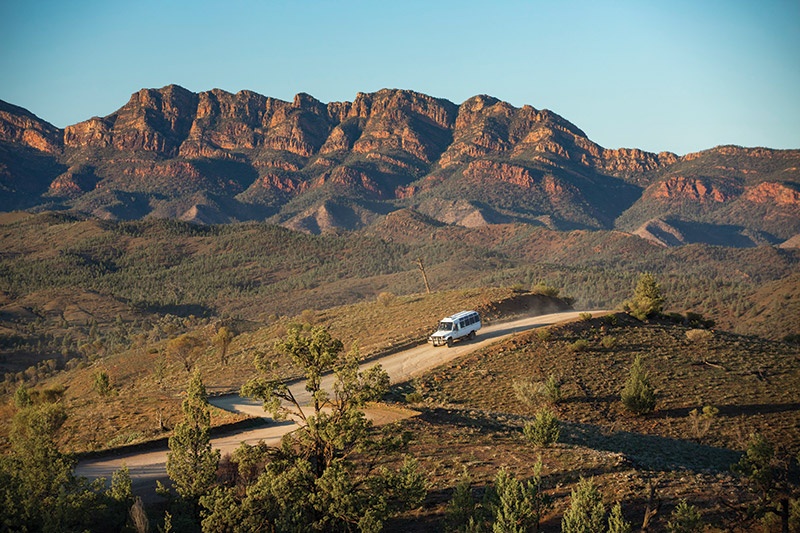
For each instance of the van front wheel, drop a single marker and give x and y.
(450, 342)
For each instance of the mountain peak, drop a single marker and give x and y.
(329, 167)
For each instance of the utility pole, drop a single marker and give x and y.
(424, 276)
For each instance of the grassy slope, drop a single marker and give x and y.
(139, 400)
(471, 405)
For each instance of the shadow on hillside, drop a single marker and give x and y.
(650, 452)
(731, 410)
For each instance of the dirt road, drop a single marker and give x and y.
(147, 467)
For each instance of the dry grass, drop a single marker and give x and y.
(144, 405)
(753, 382)
(472, 418)
(447, 441)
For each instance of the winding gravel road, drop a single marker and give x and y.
(147, 467)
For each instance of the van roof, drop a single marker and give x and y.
(462, 314)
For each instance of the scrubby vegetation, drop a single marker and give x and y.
(96, 314)
(682, 450)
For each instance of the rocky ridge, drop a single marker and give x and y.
(217, 157)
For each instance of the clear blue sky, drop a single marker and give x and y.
(659, 75)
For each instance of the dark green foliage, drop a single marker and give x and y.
(509, 506)
(543, 430)
(461, 509)
(771, 475)
(191, 462)
(543, 288)
(315, 481)
(38, 491)
(580, 345)
(102, 383)
(685, 518)
(22, 398)
(608, 341)
(552, 389)
(638, 395)
(586, 512)
(647, 298)
(756, 465)
(517, 506)
(617, 522)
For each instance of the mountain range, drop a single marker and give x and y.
(215, 157)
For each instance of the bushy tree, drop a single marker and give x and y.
(586, 513)
(617, 522)
(22, 397)
(544, 429)
(222, 339)
(509, 506)
(102, 383)
(461, 510)
(638, 395)
(685, 518)
(647, 298)
(191, 461)
(325, 476)
(186, 349)
(768, 474)
(518, 506)
(38, 489)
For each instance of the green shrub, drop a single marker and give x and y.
(551, 388)
(647, 298)
(102, 383)
(611, 320)
(414, 397)
(461, 510)
(617, 522)
(545, 290)
(685, 518)
(543, 430)
(585, 316)
(638, 395)
(608, 341)
(586, 512)
(544, 334)
(580, 345)
(22, 398)
(517, 506)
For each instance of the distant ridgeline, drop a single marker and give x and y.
(217, 157)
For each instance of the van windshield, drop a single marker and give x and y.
(445, 326)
